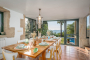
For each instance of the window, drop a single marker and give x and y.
(30, 26)
(87, 27)
(1, 22)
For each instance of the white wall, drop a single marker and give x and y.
(15, 22)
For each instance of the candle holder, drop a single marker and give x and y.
(34, 34)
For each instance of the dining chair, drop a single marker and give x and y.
(10, 56)
(60, 52)
(56, 47)
(59, 40)
(49, 55)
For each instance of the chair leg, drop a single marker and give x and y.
(60, 57)
(54, 58)
(57, 55)
(13, 57)
(57, 51)
(40, 58)
(3, 56)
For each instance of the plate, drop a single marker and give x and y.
(43, 44)
(35, 50)
(20, 47)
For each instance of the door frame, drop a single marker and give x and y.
(65, 35)
(77, 33)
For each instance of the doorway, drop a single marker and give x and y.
(67, 30)
(72, 32)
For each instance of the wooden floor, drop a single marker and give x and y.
(71, 53)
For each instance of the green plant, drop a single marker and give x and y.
(68, 40)
(61, 23)
(39, 29)
(44, 29)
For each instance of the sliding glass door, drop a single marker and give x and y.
(72, 32)
(67, 30)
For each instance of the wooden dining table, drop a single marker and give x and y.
(29, 52)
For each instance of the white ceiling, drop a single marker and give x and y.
(51, 9)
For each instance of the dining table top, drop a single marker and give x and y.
(29, 52)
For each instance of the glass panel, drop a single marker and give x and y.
(54, 28)
(57, 29)
(88, 26)
(71, 39)
(34, 25)
(71, 27)
(62, 40)
(0, 22)
(44, 28)
(62, 34)
(27, 28)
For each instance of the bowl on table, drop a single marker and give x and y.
(20, 47)
(35, 50)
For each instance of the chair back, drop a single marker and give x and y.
(57, 46)
(60, 52)
(52, 54)
(59, 41)
(9, 56)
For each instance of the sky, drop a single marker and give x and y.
(52, 25)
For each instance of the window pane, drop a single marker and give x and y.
(71, 27)
(71, 39)
(88, 26)
(27, 28)
(0, 22)
(54, 28)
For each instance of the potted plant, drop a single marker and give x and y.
(40, 30)
(68, 40)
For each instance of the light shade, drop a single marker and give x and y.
(39, 19)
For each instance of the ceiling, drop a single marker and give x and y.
(50, 9)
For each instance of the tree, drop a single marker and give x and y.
(70, 28)
(61, 23)
(44, 29)
(87, 27)
(51, 32)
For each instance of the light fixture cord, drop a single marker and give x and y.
(39, 11)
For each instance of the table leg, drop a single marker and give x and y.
(43, 55)
(19, 55)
